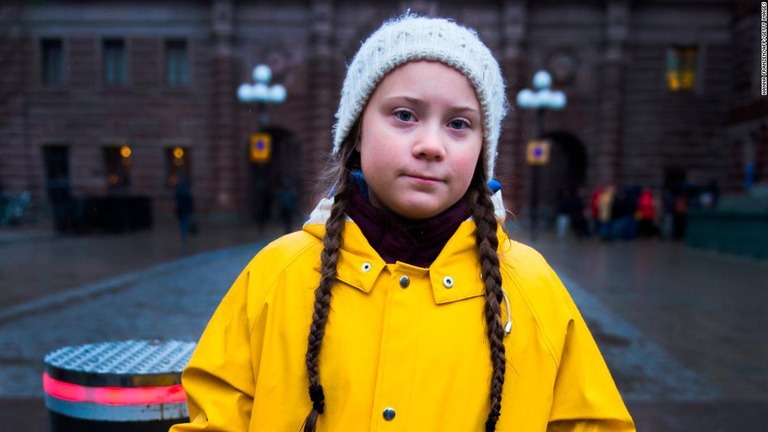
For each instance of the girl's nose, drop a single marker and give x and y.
(429, 144)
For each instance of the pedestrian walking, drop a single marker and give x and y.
(667, 213)
(579, 215)
(646, 214)
(402, 302)
(679, 215)
(594, 211)
(623, 216)
(288, 197)
(605, 207)
(564, 211)
(184, 208)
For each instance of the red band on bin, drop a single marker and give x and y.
(113, 395)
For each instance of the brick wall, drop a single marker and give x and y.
(609, 58)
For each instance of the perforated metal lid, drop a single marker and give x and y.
(133, 363)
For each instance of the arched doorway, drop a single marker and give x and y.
(275, 184)
(567, 169)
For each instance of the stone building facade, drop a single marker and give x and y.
(748, 125)
(102, 97)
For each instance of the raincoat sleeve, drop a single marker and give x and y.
(585, 396)
(219, 380)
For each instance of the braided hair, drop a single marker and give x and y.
(487, 244)
(341, 166)
(479, 198)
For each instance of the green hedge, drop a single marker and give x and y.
(738, 232)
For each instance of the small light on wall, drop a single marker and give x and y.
(125, 152)
(178, 153)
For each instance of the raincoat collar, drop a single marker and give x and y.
(360, 266)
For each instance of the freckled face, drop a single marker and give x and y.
(421, 139)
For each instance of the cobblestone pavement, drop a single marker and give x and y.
(681, 329)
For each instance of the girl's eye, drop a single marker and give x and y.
(458, 124)
(404, 115)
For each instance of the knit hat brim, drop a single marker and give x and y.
(413, 38)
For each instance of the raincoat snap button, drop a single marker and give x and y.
(389, 414)
(404, 282)
(366, 267)
(448, 282)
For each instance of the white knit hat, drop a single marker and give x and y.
(410, 38)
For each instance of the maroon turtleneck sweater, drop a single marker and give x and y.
(416, 242)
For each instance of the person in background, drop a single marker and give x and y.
(679, 215)
(646, 214)
(623, 223)
(579, 215)
(563, 220)
(288, 198)
(184, 207)
(604, 216)
(594, 211)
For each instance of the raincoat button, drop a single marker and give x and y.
(404, 282)
(366, 267)
(389, 414)
(448, 282)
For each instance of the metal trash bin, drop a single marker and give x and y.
(122, 386)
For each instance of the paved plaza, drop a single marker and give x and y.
(682, 329)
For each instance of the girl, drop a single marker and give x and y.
(402, 305)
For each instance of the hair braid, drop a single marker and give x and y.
(339, 170)
(487, 243)
(328, 259)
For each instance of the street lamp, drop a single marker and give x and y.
(261, 92)
(541, 100)
(260, 144)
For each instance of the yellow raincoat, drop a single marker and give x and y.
(400, 338)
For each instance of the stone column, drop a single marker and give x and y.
(510, 165)
(20, 161)
(223, 151)
(322, 79)
(607, 158)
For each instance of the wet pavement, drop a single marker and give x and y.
(681, 329)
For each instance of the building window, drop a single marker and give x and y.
(115, 68)
(681, 68)
(52, 61)
(118, 167)
(176, 63)
(177, 165)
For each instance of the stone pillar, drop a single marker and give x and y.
(607, 158)
(223, 150)
(510, 165)
(322, 96)
(20, 162)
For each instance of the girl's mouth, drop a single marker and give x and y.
(425, 179)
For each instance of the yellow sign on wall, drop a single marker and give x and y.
(538, 152)
(260, 147)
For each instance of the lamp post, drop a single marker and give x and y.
(260, 144)
(540, 99)
(261, 92)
